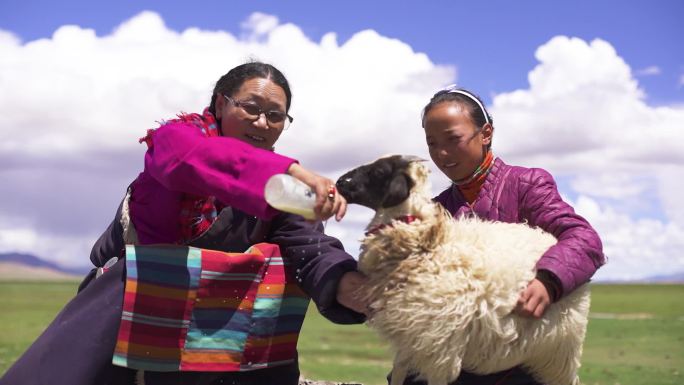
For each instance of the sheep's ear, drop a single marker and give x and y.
(397, 192)
(412, 158)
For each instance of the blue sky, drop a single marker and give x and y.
(591, 90)
(491, 41)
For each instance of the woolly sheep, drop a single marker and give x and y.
(442, 291)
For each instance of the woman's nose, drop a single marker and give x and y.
(261, 122)
(442, 152)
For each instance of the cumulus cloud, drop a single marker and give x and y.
(79, 102)
(584, 117)
(587, 116)
(633, 247)
(77, 92)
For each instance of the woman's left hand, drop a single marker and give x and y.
(328, 201)
(533, 300)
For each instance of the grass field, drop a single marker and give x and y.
(635, 336)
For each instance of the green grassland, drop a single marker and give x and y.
(635, 336)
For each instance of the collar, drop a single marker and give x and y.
(470, 187)
(404, 218)
(480, 172)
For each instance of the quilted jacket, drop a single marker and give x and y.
(529, 195)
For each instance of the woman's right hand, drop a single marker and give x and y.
(328, 201)
(348, 295)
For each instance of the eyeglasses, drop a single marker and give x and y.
(253, 111)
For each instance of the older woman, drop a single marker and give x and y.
(202, 186)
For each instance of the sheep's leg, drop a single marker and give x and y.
(559, 368)
(399, 371)
(561, 365)
(437, 382)
(435, 379)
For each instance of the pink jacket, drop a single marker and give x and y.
(183, 160)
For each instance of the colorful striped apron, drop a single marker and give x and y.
(191, 309)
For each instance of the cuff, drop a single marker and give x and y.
(326, 299)
(551, 283)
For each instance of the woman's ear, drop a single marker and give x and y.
(487, 133)
(219, 104)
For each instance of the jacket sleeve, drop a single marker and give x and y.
(579, 252)
(110, 244)
(319, 261)
(235, 172)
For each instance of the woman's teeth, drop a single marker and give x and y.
(450, 164)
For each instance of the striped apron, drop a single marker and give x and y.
(192, 309)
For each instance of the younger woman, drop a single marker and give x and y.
(459, 133)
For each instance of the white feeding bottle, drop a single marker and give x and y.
(287, 193)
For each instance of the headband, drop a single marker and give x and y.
(453, 89)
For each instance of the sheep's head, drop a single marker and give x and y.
(397, 188)
(384, 183)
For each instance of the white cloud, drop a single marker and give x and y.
(66, 251)
(648, 71)
(585, 118)
(585, 115)
(634, 247)
(259, 25)
(617, 185)
(78, 92)
(79, 102)
(670, 186)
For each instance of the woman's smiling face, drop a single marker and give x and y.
(456, 145)
(236, 123)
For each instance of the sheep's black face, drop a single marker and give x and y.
(383, 183)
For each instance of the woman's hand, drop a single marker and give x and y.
(328, 201)
(533, 300)
(346, 291)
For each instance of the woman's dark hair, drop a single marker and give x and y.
(476, 113)
(229, 83)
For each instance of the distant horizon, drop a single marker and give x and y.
(658, 279)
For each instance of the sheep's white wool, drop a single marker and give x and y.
(443, 291)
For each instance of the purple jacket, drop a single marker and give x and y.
(529, 195)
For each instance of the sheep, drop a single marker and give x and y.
(442, 291)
